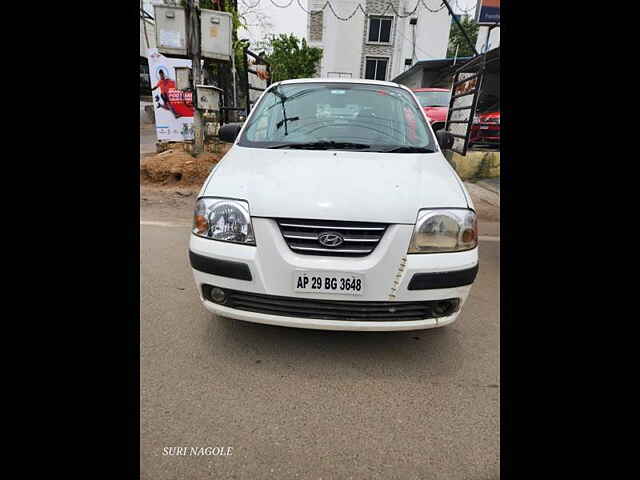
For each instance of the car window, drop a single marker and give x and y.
(373, 115)
(433, 99)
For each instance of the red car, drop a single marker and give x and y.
(485, 129)
(435, 102)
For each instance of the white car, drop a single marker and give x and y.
(335, 209)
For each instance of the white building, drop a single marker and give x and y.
(381, 46)
(494, 39)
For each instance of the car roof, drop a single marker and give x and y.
(339, 80)
(430, 90)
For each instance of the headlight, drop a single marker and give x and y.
(446, 230)
(222, 219)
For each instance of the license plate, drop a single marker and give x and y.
(328, 282)
(484, 128)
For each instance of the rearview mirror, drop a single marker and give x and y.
(445, 139)
(229, 131)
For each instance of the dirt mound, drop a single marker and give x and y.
(177, 167)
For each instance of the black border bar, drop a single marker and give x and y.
(434, 280)
(222, 268)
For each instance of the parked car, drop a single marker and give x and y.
(485, 129)
(435, 102)
(335, 209)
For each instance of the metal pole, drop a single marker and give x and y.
(194, 48)
(246, 78)
(453, 80)
(486, 43)
(233, 75)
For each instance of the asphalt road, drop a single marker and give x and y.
(310, 404)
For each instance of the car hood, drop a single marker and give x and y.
(436, 114)
(336, 185)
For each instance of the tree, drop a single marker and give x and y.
(457, 40)
(291, 58)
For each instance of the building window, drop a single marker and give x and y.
(338, 75)
(376, 68)
(380, 29)
(315, 34)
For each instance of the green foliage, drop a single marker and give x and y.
(208, 4)
(292, 58)
(456, 38)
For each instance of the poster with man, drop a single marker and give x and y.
(173, 108)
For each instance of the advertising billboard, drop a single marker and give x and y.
(173, 108)
(488, 12)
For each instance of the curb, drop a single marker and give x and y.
(488, 186)
(482, 193)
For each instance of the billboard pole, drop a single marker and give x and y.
(194, 48)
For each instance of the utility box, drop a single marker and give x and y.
(215, 34)
(183, 78)
(171, 30)
(208, 97)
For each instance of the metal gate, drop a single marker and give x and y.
(258, 77)
(254, 78)
(467, 84)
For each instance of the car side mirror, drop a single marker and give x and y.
(445, 139)
(229, 131)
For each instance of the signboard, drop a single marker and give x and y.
(462, 107)
(488, 12)
(173, 108)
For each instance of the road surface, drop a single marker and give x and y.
(309, 404)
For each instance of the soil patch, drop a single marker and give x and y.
(177, 167)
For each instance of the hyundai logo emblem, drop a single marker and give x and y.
(330, 239)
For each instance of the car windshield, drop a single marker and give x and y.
(433, 99)
(339, 116)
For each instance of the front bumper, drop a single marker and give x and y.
(388, 273)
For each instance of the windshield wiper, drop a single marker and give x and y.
(323, 145)
(407, 149)
(285, 120)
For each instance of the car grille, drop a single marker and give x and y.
(359, 238)
(365, 311)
